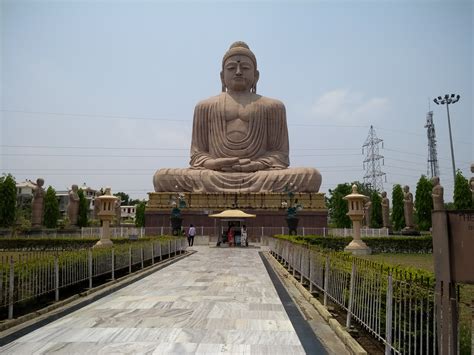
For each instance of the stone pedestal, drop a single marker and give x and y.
(410, 231)
(106, 215)
(267, 207)
(356, 214)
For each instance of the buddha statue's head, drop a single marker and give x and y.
(239, 69)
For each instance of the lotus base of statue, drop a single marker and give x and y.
(103, 243)
(358, 247)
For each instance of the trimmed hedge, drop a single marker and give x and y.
(44, 244)
(395, 244)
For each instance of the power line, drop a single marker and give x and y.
(96, 115)
(419, 155)
(149, 169)
(142, 156)
(84, 147)
(189, 120)
(137, 148)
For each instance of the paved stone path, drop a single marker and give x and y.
(214, 301)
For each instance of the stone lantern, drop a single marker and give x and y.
(106, 215)
(356, 214)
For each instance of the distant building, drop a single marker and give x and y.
(24, 192)
(25, 188)
(128, 212)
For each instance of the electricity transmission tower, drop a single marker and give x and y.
(373, 175)
(433, 168)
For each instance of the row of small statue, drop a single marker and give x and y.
(408, 205)
(37, 206)
(407, 209)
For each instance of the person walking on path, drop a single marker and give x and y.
(191, 234)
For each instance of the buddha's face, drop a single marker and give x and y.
(239, 73)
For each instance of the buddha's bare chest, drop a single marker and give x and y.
(237, 117)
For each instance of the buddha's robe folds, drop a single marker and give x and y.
(266, 141)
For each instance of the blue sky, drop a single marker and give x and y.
(103, 92)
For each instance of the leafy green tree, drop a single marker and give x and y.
(124, 198)
(462, 193)
(7, 201)
(363, 188)
(51, 209)
(424, 202)
(140, 214)
(376, 214)
(398, 217)
(133, 202)
(338, 207)
(82, 219)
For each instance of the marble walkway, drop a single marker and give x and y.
(218, 300)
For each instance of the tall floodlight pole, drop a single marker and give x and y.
(447, 100)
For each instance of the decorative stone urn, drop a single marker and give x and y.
(356, 214)
(106, 215)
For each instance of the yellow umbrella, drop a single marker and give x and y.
(232, 214)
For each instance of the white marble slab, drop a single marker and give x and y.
(217, 301)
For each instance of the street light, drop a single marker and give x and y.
(447, 99)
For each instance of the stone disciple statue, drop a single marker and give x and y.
(118, 211)
(408, 207)
(73, 206)
(437, 193)
(368, 213)
(37, 204)
(239, 140)
(385, 210)
(471, 183)
(97, 204)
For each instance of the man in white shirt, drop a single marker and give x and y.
(191, 234)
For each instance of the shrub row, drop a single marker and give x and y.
(393, 244)
(44, 244)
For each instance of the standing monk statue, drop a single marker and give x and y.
(471, 183)
(385, 210)
(37, 204)
(368, 213)
(73, 206)
(437, 194)
(239, 140)
(408, 207)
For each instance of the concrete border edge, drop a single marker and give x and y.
(351, 344)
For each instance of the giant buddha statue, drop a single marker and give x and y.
(239, 140)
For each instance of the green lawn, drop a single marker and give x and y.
(418, 261)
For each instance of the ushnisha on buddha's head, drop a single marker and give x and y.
(239, 69)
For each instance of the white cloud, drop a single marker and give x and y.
(347, 107)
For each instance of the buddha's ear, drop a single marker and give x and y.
(222, 81)
(254, 86)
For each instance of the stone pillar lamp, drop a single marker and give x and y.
(356, 213)
(106, 215)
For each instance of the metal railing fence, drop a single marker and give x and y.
(270, 231)
(395, 307)
(27, 278)
(255, 232)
